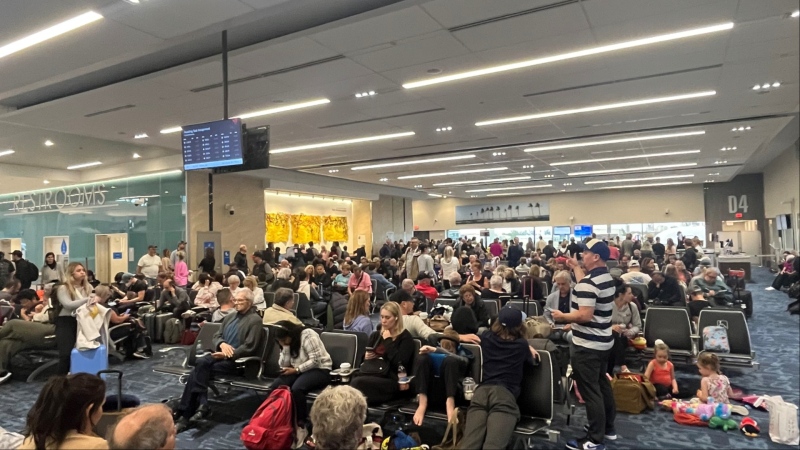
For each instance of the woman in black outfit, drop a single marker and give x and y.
(208, 263)
(393, 343)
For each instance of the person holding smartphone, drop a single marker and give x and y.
(305, 364)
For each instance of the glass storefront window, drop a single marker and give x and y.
(601, 231)
(545, 232)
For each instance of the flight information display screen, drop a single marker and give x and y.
(212, 144)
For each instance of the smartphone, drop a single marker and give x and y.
(127, 311)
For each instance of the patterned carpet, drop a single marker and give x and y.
(775, 337)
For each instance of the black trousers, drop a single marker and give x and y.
(195, 393)
(66, 335)
(617, 356)
(301, 385)
(452, 372)
(377, 389)
(588, 370)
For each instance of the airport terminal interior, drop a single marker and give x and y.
(454, 224)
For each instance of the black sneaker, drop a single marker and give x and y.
(584, 444)
(611, 436)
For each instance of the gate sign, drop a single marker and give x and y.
(737, 204)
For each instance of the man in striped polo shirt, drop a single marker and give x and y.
(590, 316)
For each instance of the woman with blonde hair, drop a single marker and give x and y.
(449, 264)
(71, 295)
(251, 282)
(393, 345)
(356, 318)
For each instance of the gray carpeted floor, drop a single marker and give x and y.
(775, 337)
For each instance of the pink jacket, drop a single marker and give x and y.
(181, 273)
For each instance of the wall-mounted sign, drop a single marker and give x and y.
(530, 211)
(60, 198)
(226, 257)
(116, 255)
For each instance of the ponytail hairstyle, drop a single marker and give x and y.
(709, 361)
(61, 408)
(660, 346)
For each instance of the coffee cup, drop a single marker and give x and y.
(344, 371)
(423, 315)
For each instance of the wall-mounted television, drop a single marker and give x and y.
(212, 144)
(582, 231)
(561, 231)
(255, 143)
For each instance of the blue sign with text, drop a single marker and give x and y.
(116, 255)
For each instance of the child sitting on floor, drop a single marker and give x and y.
(661, 372)
(713, 384)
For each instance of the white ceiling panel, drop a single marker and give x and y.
(259, 4)
(769, 50)
(613, 12)
(199, 74)
(761, 10)
(530, 27)
(169, 19)
(765, 30)
(378, 30)
(267, 58)
(436, 46)
(321, 74)
(452, 13)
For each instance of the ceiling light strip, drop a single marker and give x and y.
(84, 165)
(418, 161)
(646, 185)
(280, 109)
(669, 177)
(446, 174)
(628, 104)
(49, 33)
(622, 158)
(509, 188)
(615, 141)
(344, 142)
(632, 169)
(503, 194)
(6, 152)
(495, 180)
(572, 55)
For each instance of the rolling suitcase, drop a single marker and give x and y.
(116, 405)
(161, 319)
(89, 361)
(746, 299)
(149, 320)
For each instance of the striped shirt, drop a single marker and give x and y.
(596, 290)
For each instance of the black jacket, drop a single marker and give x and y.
(399, 351)
(515, 252)
(669, 293)
(263, 272)
(339, 306)
(480, 310)
(549, 251)
(689, 259)
(241, 262)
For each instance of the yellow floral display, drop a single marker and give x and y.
(305, 228)
(334, 228)
(277, 227)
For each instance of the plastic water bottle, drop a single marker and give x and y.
(469, 388)
(401, 372)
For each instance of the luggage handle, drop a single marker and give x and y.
(722, 323)
(119, 385)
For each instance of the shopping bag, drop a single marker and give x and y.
(783, 427)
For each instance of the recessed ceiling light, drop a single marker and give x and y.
(509, 188)
(49, 33)
(741, 128)
(84, 165)
(632, 169)
(49, 143)
(46, 181)
(615, 141)
(418, 161)
(473, 196)
(727, 149)
(140, 136)
(549, 176)
(567, 184)
(492, 180)
(795, 13)
(621, 158)
(133, 2)
(719, 161)
(136, 156)
(628, 104)
(498, 153)
(333, 170)
(344, 142)
(434, 195)
(171, 130)
(646, 185)
(417, 186)
(709, 181)
(444, 129)
(626, 180)
(365, 94)
(571, 55)
(528, 166)
(6, 152)
(714, 174)
(447, 174)
(384, 179)
(280, 109)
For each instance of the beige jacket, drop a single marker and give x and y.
(275, 314)
(73, 441)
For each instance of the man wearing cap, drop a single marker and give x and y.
(424, 286)
(635, 275)
(592, 341)
(261, 269)
(416, 326)
(149, 265)
(697, 302)
(173, 257)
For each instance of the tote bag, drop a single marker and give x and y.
(783, 421)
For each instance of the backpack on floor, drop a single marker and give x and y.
(273, 424)
(173, 329)
(715, 338)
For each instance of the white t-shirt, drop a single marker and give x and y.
(149, 265)
(448, 268)
(636, 277)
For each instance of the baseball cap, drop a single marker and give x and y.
(599, 248)
(510, 317)
(424, 275)
(17, 253)
(633, 263)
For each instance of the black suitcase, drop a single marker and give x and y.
(149, 320)
(744, 299)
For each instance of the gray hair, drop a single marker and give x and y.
(283, 296)
(152, 434)
(234, 278)
(496, 281)
(562, 275)
(455, 279)
(408, 283)
(249, 295)
(338, 417)
(284, 274)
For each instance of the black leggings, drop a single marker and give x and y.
(452, 371)
(617, 357)
(66, 335)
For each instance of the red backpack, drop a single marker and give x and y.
(272, 426)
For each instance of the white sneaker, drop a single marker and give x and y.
(770, 289)
(5, 377)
